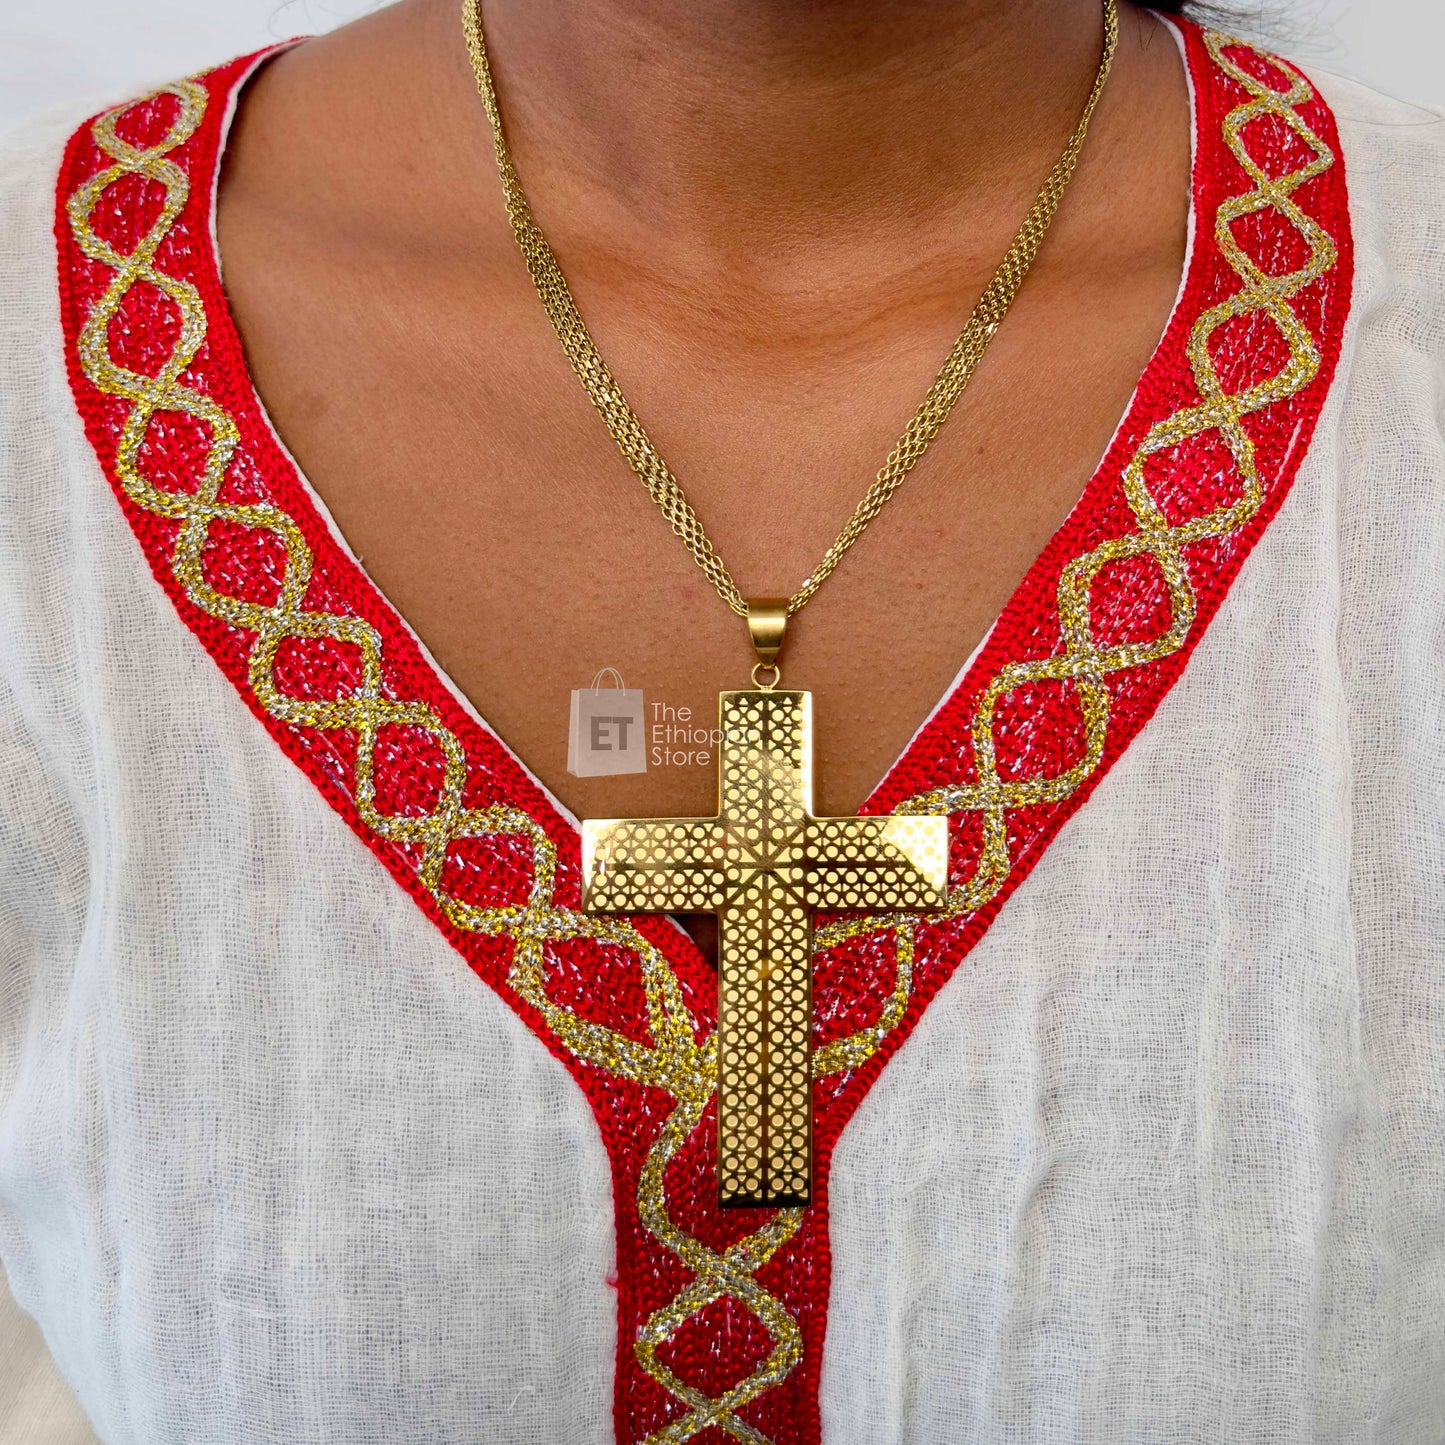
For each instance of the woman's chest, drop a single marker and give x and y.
(720, 1312)
(459, 456)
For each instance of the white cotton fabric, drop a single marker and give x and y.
(1164, 1162)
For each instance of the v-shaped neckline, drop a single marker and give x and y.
(1088, 644)
(225, 338)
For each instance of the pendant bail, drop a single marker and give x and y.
(767, 618)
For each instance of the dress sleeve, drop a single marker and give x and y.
(50, 778)
(1389, 441)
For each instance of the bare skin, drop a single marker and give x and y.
(775, 215)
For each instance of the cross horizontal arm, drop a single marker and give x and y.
(652, 865)
(877, 864)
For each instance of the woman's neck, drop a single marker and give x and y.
(808, 150)
(736, 124)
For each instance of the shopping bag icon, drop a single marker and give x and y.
(606, 735)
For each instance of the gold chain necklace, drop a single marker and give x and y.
(628, 431)
(764, 863)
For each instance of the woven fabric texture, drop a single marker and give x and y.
(1161, 1162)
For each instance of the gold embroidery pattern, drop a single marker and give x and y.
(1083, 662)
(676, 1061)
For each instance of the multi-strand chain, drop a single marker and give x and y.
(628, 431)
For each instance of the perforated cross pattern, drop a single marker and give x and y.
(763, 865)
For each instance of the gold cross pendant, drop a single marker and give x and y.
(763, 865)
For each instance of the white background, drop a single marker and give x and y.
(55, 51)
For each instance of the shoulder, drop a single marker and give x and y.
(1393, 154)
(31, 153)
(82, 191)
(1380, 454)
(1358, 176)
(31, 159)
(47, 161)
(43, 161)
(63, 540)
(51, 500)
(1394, 157)
(1383, 156)
(1370, 119)
(1387, 159)
(41, 441)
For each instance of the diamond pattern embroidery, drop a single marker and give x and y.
(697, 1292)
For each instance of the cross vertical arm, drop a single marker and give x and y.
(765, 1015)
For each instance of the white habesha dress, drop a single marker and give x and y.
(327, 1116)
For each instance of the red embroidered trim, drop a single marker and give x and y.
(1072, 670)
